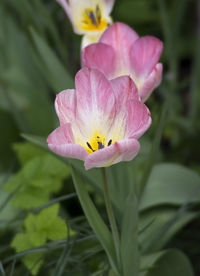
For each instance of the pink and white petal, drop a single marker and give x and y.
(145, 54)
(61, 135)
(125, 90)
(124, 150)
(61, 141)
(65, 105)
(99, 56)
(152, 81)
(121, 37)
(95, 99)
(109, 5)
(138, 119)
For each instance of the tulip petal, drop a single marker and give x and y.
(121, 37)
(95, 101)
(61, 141)
(145, 53)
(124, 150)
(138, 119)
(152, 81)
(99, 56)
(125, 90)
(65, 105)
(109, 5)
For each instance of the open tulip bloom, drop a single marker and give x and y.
(120, 51)
(88, 17)
(100, 121)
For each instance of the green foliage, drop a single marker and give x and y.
(57, 74)
(95, 220)
(40, 176)
(166, 263)
(40, 228)
(129, 237)
(171, 184)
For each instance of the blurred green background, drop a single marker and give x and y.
(40, 55)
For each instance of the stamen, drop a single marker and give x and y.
(100, 145)
(110, 142)
(93, 18)
(98, 14)
(89, 146)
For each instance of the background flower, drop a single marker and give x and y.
(120, 52)
(89, 17)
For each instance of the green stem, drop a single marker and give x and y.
(111, 216)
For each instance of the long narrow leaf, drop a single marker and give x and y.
(129, 237)
(94, 219)
(57, 74)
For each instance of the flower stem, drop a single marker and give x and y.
(111, 216)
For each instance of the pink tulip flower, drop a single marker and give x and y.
(100, 121)
(121, 51)
(88, 17)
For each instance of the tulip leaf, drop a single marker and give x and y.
(129, 237)
(94, 219)
(166, 263)
(57, 75)
(160, 225)
(171, 184)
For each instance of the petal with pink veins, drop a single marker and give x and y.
(138, 119)
(99, 56)
(121, 37)
(124, 150)
(65, 105)
(151, 82)
(145, 54)
(61, 141)
(125, 90)
(95, 100)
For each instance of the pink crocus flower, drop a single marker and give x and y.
(88, 17)
(121, 51)
(100, 121)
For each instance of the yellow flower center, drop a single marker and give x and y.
(92, 20)
(98, 142)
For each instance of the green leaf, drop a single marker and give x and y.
(47, 216)
(7, 211)
(129, 237)
(33, 262)
(24, 90)
(37, 180)
(58, 231)
(21, 242)
(46, 225)
(171, 184)
(94, 219)
(57, 74)
(26, 151)
(166, 263)
(160, 225)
